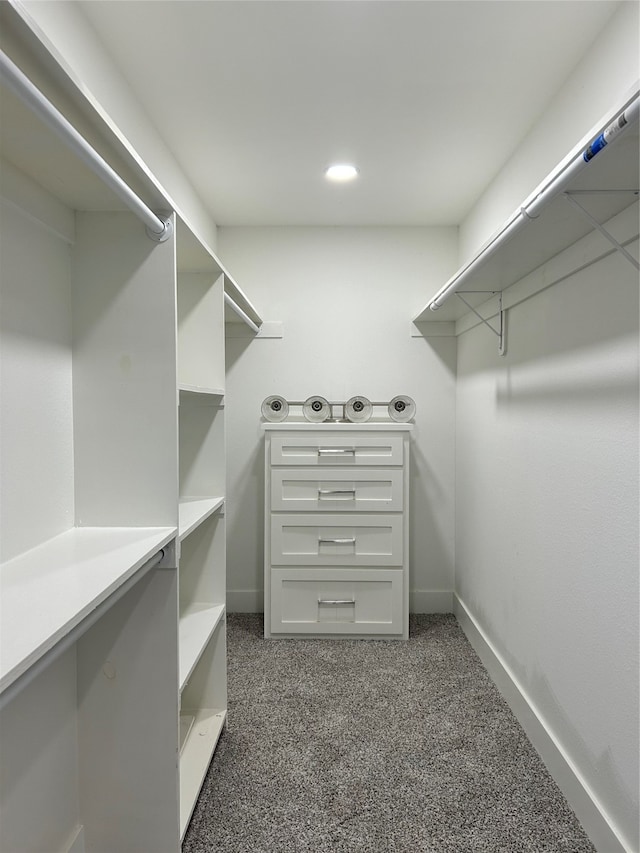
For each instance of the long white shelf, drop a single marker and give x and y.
(204, 731)
(197, 625)
(48, 591)
(193, 511)
(198, 389)
(604, 187)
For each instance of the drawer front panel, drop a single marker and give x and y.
(336, 540)
(336, 450)
(338, 602)
(336, 491)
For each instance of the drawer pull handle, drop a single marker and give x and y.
(323, 492)
(337, 602)
(337, 541)
(336, 451)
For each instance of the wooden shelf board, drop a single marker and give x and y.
(193, 511)
(195, 757)
(49, 590)
(197, 625)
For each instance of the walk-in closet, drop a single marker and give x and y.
(249, 409)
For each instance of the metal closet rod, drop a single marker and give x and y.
(238, 310)
(555, 186)
(74, 634)
(158, 229)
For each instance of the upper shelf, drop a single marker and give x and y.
(604, 187)
(194, 256)
(29, 145)
(198, 391)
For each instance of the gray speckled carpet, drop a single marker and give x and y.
(373, 747)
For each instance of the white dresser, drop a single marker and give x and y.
(336, 529)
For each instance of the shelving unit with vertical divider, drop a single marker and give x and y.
(88, 628)
(112, 565)
(202, 581)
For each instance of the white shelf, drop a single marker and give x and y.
(600, 188)
(50, 589)
(196, 389)
(197, 625)
(186, 724)
(241, 300)
(201, 457)
(193, 511)
(195, 757)
(194, 255)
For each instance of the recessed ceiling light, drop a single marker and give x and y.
(341, 172)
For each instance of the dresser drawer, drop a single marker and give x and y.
(337, 491)
(336, 540)
(336, 450)
(339, 601)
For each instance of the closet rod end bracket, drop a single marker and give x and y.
(170, 555)
(165, 234)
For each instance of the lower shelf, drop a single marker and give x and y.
(193, 511)
(199, 733)
(197, 625)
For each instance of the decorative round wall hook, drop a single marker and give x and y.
(275, 409)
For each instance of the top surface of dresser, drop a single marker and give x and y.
(336, 444)
(333, 426)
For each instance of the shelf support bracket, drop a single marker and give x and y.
(500, 332)
(599, 227)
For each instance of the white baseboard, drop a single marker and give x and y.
(245, 601)
(581, 799)
(420, 601)
(430, 601)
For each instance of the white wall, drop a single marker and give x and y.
(345, 296)
(606, 72)
(35, 358)
(547, 474)
(547, 517)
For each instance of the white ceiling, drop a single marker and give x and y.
(429, 99)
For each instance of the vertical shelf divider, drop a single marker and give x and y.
(202, 565)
